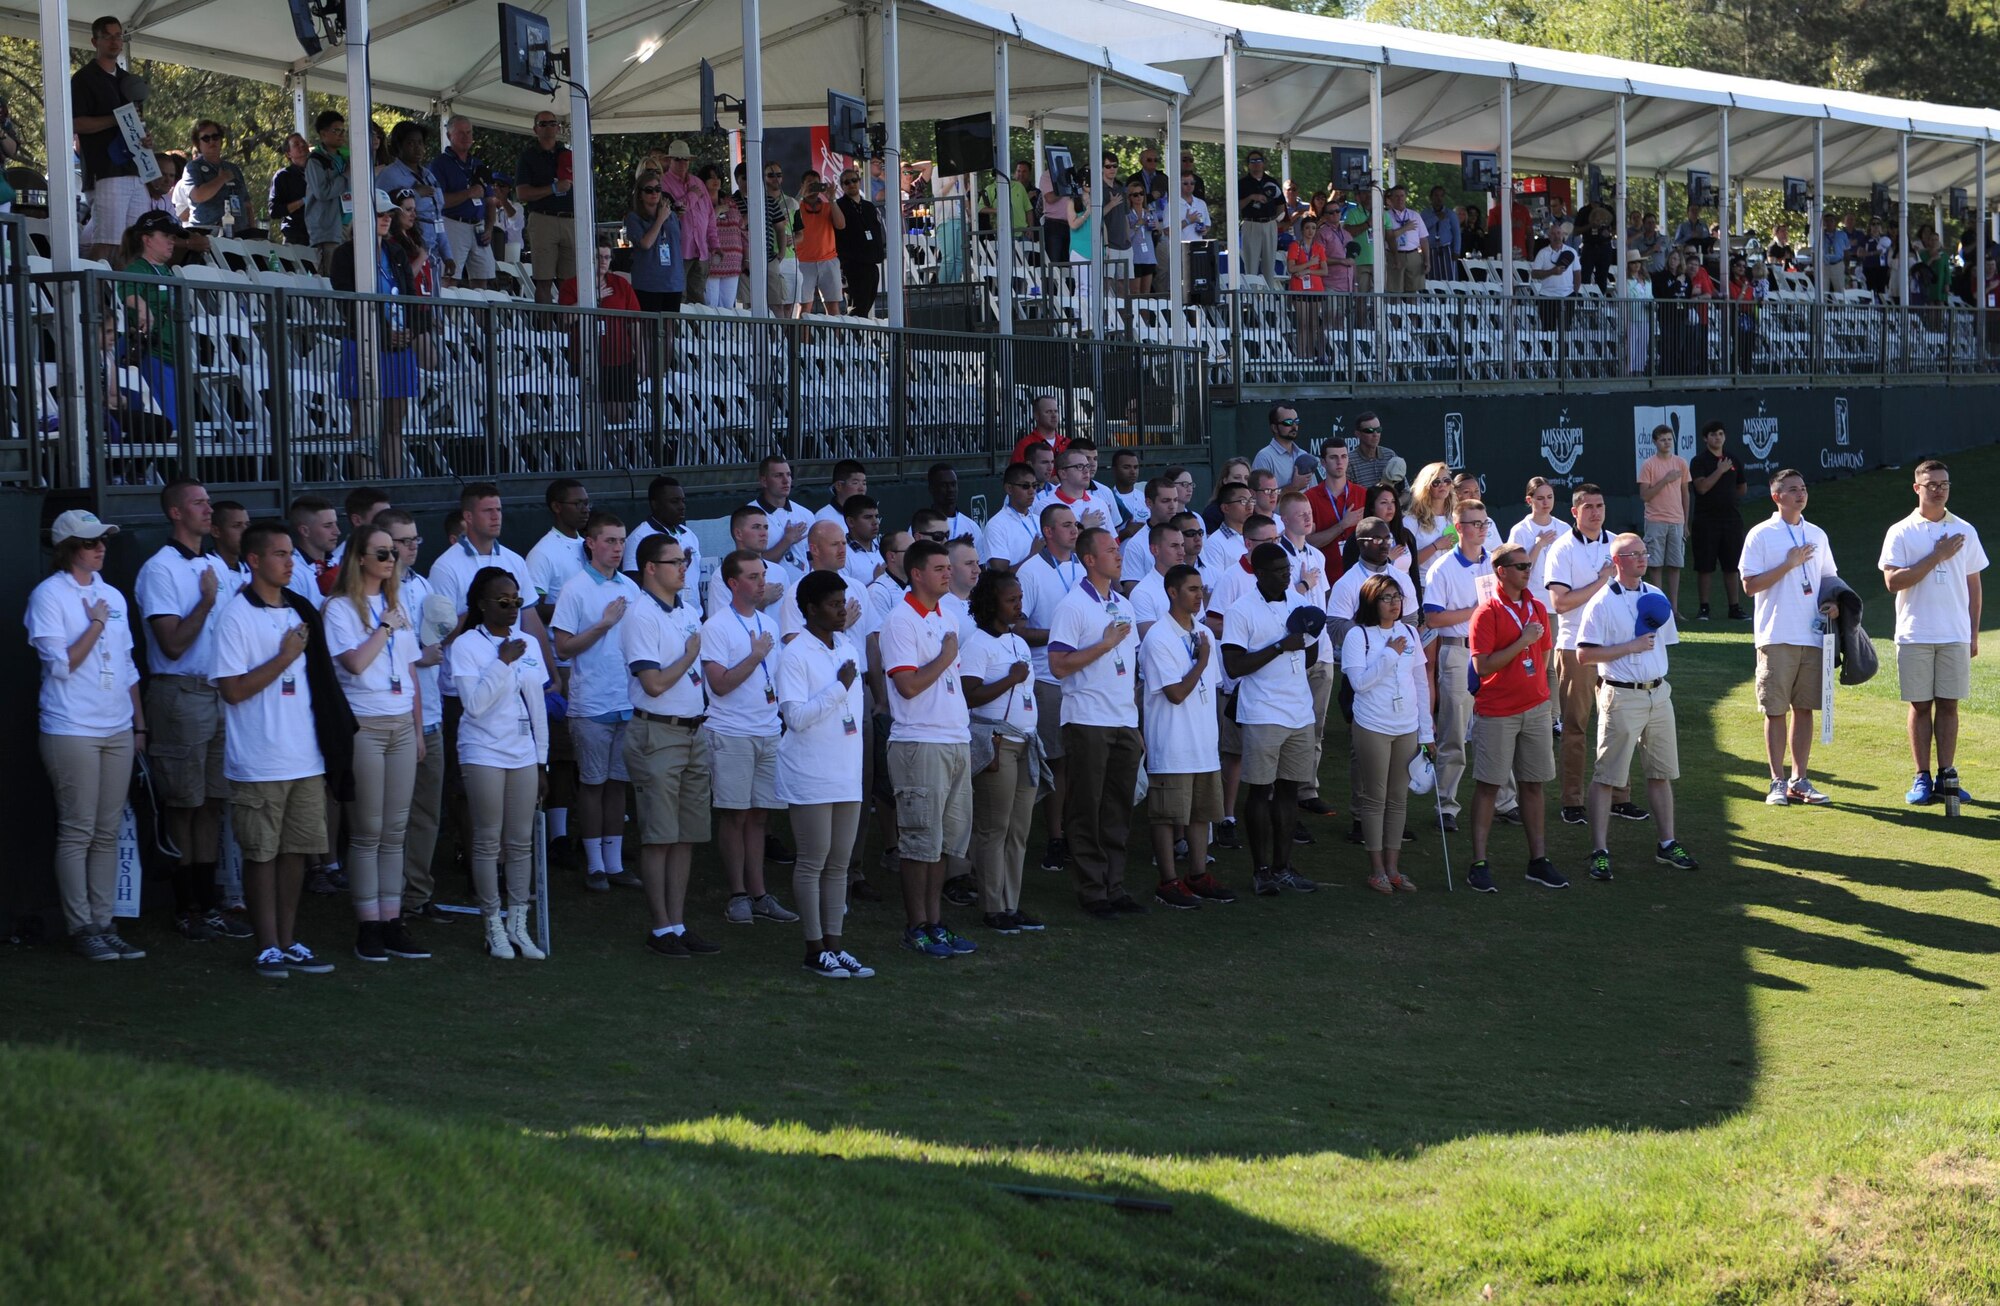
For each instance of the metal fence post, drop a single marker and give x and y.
(490, 316)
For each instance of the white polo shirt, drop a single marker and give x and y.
(95, 699)
(1045, 583)
(1100, 694)
(652, 637)
(783, 519)
(1008, 536)
(597, 677)
(750, 711)
(1276, 694)
(911, 637)
(497, 728)
(415, 589)
(554, 559)
(1181, 738)
(1574, 563)
(825, 723)
(1523, 534)
(1346, 595)
(169, 585)
(1456, 581)
(861, 567)
(1135, 557)
(989, 659)
(1784, 612)
(1612, 617)
(961, 527)
(1222, 548)
(452, 573)
(1934, 610)
(1307, 558)
(690, 545)
(268, 736)
(718, 589)
(388, 684)
(1092, 504)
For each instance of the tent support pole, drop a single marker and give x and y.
(299, 106)
(1003, 194)
(759, 236)
(1095, 320)
(58, 132)
(1621, 203)
(1901, 290)
(1722, 206)
(892, 162)
(1176, 251)
(1979, 244)
(1503, 199)
(582, 193)
(1818, 234)
(1379, 301)
(1231, 161)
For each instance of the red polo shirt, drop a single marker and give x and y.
(1514, 688)
(1326, 511)
(1033, 438)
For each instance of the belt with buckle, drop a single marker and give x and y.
(1633, 684)
(684, 722)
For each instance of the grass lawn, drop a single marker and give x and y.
(1769, 1080)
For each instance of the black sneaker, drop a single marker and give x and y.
(1736, 613)
(1511, 816)
(1000, 922)
(827, 966)
(1543, 872)
(1226, 837)
(1125, 906)
(1300, 837)
(1672, 854)
(1630, 812)
(1316, 806)
(398, 942)
(862, 891)
(1103, 911)
(1264, 881)
(1600, 865)
(1297, 883)
(696, 945)
(368, 942)
(1701, 613)
(1480, 879)
(1175, 894)
(1575, 816)
(1208, 889)
(775, 851)
(1056, 855)
(1448, 823)
(194, 927)
(1354, 834)
(961, 891)
(668, 945)
(437, 915)
(1023, 921)
(1409, 835)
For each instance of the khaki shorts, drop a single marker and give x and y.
(743, 772)
(669, 770)
(600, 749)
(1787, 678)
(1928, 671)
(1666, 544)
(1228, 735)
(1640, 720)
(274, 817)
(552, 240)
(1272, 753)
(1048, 718)
(1184, 798)
(184, 740)
(1519, 748)
(933, 784)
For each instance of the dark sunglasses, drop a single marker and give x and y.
(774, 176)
(850, 181)
(939, 536)
(550, 123)
(1376, 539)
(509, 603)
(649, 190)
(1368, 430)
(1515, 566)
(210, 136)
(381, 555)
(1288, 421)
(1192, 533)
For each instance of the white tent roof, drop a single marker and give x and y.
(426, 53)
(1303, 78)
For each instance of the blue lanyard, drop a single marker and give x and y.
(1068, 582)
(756, 620)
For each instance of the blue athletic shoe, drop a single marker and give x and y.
(956, 945)
(1480, 879)
(920, 940)
(1920, 790)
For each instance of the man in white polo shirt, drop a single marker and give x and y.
(1453, 587)
(739, 660)
(587, 613)
(1149, 597)
(930, 747)
(1579, 566)
(1046, 579)
(1785, 557)
(1075, 492)
(1163, 499)
(1093, 650)
(180, 589)
(1312, 577)
(666, 753)
(788, 520)
(666, 512)
(750, 528)
(1274, 711)
(861, 519)
(849, 479)
(1225, 543)
(1013, 533)
(1931, 562)
(1635, 705)
(1183, 678)
(558, 555)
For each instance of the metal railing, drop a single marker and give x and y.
(17, 369)
(271, 387)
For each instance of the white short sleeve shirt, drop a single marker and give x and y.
(1277, 693)
(1524, 533)
(1102, 693)
(1934, 610)
(388, 685)
(911, 637)
(1008, 537)
(653, 636)
(1574, 563)
(554, 559)
(95, 699)
(268, 736)
(169, 585)
(1612, 617)
(597, 677)
(1784, 613)
(1456, 581)
(751, 709)
(1181, 738)
(988, 659)
(1045, 583)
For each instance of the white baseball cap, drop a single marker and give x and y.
(76, 524)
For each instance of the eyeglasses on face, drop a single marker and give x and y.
(1020, 485)
(413, 541)
(547, 124)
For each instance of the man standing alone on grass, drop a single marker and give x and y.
(1635, 706)
(1511, 723)
(1931, 562)
(1785, 558)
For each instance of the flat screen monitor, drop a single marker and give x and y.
(304, 27)
(965, 144)
(1062, 172)
(1479, 170)
(524, 51)
(1701, 189)
(1797, 195)
(1596, 187)
(1961, 208)
(846, 124)
(1350, 168)
(1878, 200)
(709, 126)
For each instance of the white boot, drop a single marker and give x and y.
(517, 934)
(496, 937)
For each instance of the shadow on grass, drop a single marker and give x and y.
(1974, 821)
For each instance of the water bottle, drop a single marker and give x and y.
(229, 220)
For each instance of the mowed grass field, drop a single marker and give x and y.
(1773, 1079)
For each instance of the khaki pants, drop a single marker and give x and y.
(1576, 687)
(1405, 271)
(420, 836)
(1321, 677)
(825, 836)
(1003, 803)
(90, 775)
(385, 775)
(1454, 719)
(501, 803)
(1104, 766)
(1382, 776)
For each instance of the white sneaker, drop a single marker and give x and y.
(769, 908)
(1780, 795)
(854, 967)
(826, 966)
(496, 938)
(1802, 791)
(517, 934)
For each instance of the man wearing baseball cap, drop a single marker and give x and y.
(1624, 633)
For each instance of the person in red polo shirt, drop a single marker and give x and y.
(1047, 429)
(1511, 723)
(1338, 506)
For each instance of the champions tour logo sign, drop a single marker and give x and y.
(1562, 445)
(1760, 438)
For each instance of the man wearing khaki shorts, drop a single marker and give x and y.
(1182, 676)
(1785, 558)
(1512, 725)
(1931, 562)
(666, 753)
(1635, 706)
(1270, 660)
(543, 186)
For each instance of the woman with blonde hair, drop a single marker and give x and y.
(1429, 515)
(375, 652)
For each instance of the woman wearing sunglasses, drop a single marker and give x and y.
(375, 652)
(503, 752)
(659, 264)
(215, 185)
